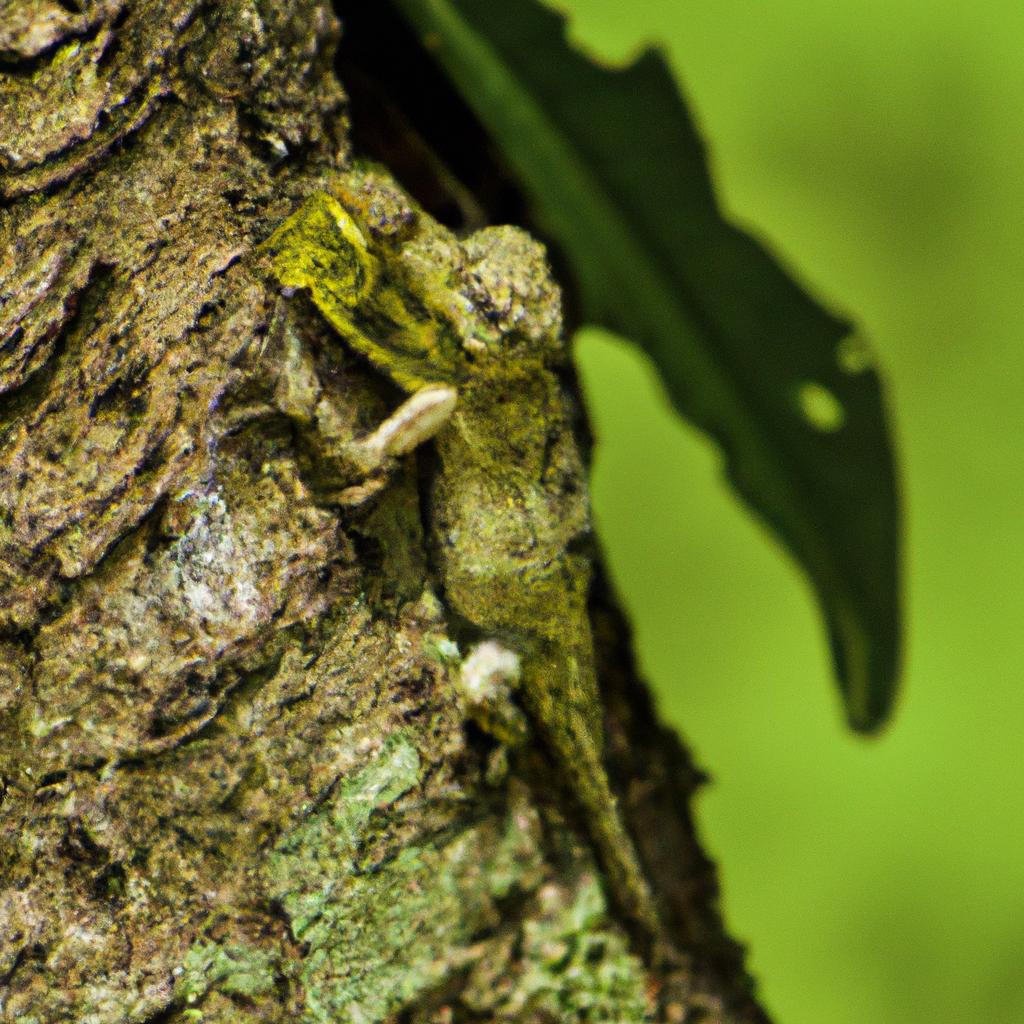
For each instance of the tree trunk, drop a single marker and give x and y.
(237, 781)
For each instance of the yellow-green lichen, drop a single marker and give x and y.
(380, 925)
(231, 968)
(320, 248)
(568, 964)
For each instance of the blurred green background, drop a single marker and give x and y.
(878, 147)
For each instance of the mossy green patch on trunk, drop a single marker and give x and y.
(381, 925)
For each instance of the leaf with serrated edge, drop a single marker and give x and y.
(618, 177)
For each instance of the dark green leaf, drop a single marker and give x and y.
(618, 176)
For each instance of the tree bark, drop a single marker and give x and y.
(236, 780)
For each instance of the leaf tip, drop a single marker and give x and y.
(867, 666)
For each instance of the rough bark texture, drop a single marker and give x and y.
(236, 780)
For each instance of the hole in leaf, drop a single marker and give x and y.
(820, 407)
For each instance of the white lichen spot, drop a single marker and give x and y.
(138, 661)
(488, 667)
(216, 566)
(486, 681)
(820, 408)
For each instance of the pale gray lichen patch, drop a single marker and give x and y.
(217, 563)
(141, 642)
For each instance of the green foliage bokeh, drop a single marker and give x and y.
(877, 146)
